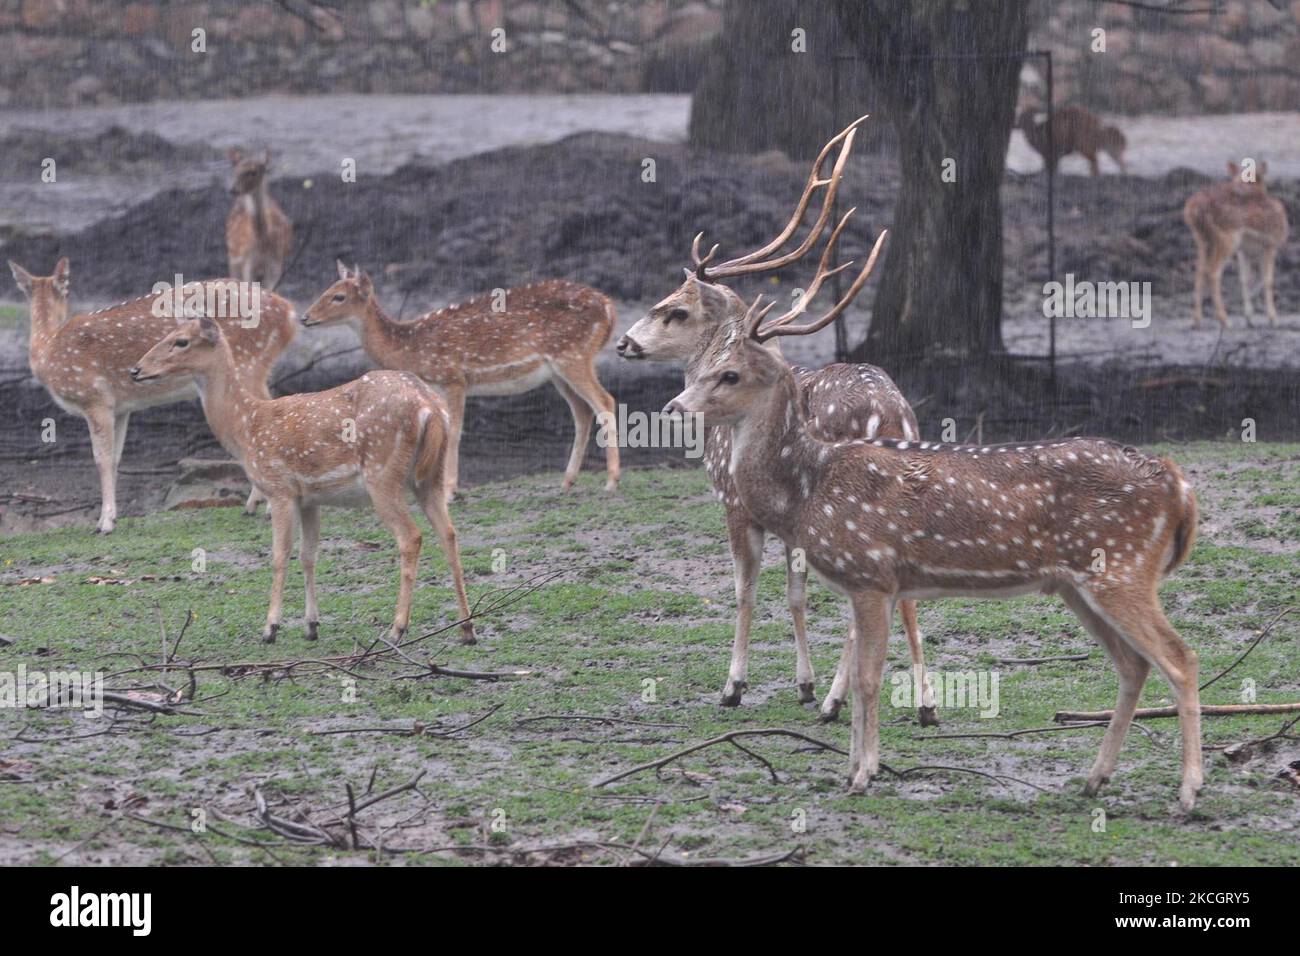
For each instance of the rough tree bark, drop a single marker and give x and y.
(940, 290)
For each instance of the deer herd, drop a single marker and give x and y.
(829, 461)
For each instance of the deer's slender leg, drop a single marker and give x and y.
(120, 423)
(1243, 273)
(583, 415)
(1267, 266)
(1130, 667)
(923, 692)
(454, 397)
(835, 697)
(582, 378)
(282, 513)
(103, 443)
(1141, 621)
(389, 500)
(872, 613)
(1093, 166)
(434, 504)
(746, 539)
(1220, 252)
(796, 590)
(255, 498)
(1198, 294)
(309, 516)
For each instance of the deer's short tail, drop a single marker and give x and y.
(1185, 528)
(431, 453)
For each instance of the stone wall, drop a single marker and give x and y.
(1243, 58)
(81, 52)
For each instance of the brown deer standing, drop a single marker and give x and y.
(83, 361)
(883, 520)
(1241, 217)
(258, 233)
(1074, 130)
(547, 331)
(840, 402)
(369, 440)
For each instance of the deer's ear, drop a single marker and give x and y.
(63, 276)
(236, 155)
(22, 277)
(208, 330)
(342, 267)
(364, 285)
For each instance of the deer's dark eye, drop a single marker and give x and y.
(728, 378)
(182, 343)
(339, 296)
(676, 315)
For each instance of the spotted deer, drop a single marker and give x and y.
(884, 520)
(1074, 130)
(258, 233)
(368, 441)
(495, 345)
(83, 360)
(1239, 217)
(840, 401)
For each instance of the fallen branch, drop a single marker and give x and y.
(1255, 643)
(727, 738)
(1207, 710)
(1043, 660)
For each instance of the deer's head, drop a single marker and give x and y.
(250, 171)
(1237, 175)
(48, 295)
(190, 349)
(674, 328)
(345, 301)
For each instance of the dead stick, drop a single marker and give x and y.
(1207, 710)
(1255, 643)
(724, 739)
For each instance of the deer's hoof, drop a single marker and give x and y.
(1093, 786)
(807, 693)
(860, 781)
(1187, 796)
(927, 716)
(268, 635)
(467, 635)
(830, 711)
(313, 630)
(732, 693)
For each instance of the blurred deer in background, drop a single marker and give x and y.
(258, 233)
(83, 360)
(546, 331)
(841, 401)
(883, 520)
(1074, 130)
(368, 441)
(1239, 217)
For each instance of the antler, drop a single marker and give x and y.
(781, 325)
(757, 260)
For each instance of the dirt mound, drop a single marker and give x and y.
(114, 150)
(582, 209)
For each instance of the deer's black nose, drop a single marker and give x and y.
(628, 347)
(672, 408)
(133, 371)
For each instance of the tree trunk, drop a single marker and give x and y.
(941, 280)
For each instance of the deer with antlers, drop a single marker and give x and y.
(840, 402)
(885, 520)
(258, 233)
(83, 361)
(368, 441)
(506, 343)
(1236, 216)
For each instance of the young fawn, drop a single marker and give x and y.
(548, 331)
(83, 361)
(369, 440)
(258, 233)
(1241, 217)
(1073, 130)
(841, 402)
(882, 520)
